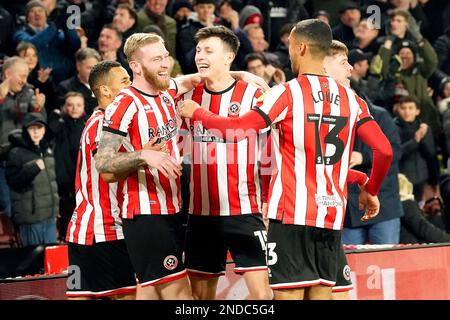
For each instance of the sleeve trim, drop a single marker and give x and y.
(108, 129)
(362, 121)
(264, 115)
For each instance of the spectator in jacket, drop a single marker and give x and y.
(110, 45)
(125, 20)
(86, 59)
(30, 173)
(282, 51)
(154, 13)
(418, 161)
(442, 47)
(257, 64)
(349, 17)
(415, 228)
(67, 127)
(55, 46)
(411, 75)
(366, 35)
(255, 34)
(39, 78)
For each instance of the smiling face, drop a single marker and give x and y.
(17, 76)
(108, 40)
(408, 111)
(154, 65)
(37, 17)
(407, 57)
(212, 57)
(31, 57)
(74, 107)
(338, 68)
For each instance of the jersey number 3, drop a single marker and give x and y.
(332, 137)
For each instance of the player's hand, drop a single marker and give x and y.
(355, 159)
(187, 108)
(254, 79)
(152, 145)
(161, 161)
(370, 203)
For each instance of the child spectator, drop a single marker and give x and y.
(418, 161)
(67, 128)
(30, 172)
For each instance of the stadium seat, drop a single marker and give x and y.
(8, 235)
(56, 259)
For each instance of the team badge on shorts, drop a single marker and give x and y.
(346, 272)
(170, 262)
(234, 108)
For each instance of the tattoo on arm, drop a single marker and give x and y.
(109, 160)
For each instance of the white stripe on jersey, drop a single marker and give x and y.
(203, 149)
(298, 125)
(321, 181)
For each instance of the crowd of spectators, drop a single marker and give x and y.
(399, 51)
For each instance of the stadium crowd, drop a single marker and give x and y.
(398, 50)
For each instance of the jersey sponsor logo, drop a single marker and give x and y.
(328, 200)
(165, 132)
(170, 262)
(346, 272)
(200, 134)
(234, 108)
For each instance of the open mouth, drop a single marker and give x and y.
(163, 74)
(202, 67)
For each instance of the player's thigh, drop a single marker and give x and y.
(289, 294)
(179, 289)
(258, 285)
(203, 288)
(147, 293)
(318, 292)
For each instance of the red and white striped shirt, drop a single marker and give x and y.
(97, 214)
(140, 117)
(224, 175)
(315, 121)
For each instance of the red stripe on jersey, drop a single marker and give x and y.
(165, 182)
(138, 144)
(197, 154)
(232, 156)
(310, 152)
(324, 130)
(100, 223)
(213, 181)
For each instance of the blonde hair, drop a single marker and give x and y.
(137, 41)
(337, 47)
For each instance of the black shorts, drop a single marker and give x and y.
(154, 243)
(208, 238)
(302, 256)
(343, 280)
(101, 269)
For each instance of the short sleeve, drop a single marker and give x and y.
(273, 104)
(119, 114)
(173, 88)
